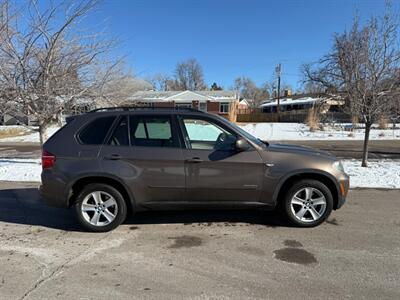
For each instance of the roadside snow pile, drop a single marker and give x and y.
(379, 174)
(20, 169)
(300, 131)
(30, 137)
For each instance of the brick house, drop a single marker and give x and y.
(224, 103)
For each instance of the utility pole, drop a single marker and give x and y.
(278, 73)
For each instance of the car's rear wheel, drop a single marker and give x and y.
(308, 203)
(100, 207)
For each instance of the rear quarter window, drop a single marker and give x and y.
(59, 131)
(96, 131)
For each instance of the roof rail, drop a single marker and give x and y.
(133, 108)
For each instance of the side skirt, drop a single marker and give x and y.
(184, 205)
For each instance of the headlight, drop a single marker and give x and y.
(338, 166)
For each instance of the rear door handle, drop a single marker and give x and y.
(194, 160)
(113, 157)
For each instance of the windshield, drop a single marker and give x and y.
(246, 134)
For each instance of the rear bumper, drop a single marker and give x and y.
(53, 190)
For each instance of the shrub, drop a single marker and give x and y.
(354, 121)
(313, 119)
(12, 131)
(383, 123)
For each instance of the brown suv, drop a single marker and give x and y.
(109, 162)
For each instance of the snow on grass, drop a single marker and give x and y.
(379, 174)
(300, 131)
(20, 169)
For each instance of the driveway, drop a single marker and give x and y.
(200, 255)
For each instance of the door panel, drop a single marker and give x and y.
(152, 173)
(153, 166)
(223, 176)
(215, 171)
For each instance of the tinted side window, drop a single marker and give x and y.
(149, 131)
(202, 134)
(95, 132)
(140, 132)
(120, 134)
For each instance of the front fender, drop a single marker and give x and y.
(305, 173)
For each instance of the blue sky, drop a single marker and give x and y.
(229, 38)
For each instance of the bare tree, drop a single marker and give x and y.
(271, 87)
(249, 90)
(363, 65)
(49, 62)
(162, 82)
(6, 105)
(314, 88)
(189, 76)
(120, 88)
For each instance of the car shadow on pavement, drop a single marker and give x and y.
(221, 217)
(25, 206)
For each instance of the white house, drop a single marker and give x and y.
(289, 104)
(218, 102)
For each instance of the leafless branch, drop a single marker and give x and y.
(50, 63)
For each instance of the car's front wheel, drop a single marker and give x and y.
(308, 203)
(100, 208)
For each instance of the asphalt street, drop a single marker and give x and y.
(200, 254)
(389, 149)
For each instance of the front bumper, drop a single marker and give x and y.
(341, 201)
(344, 185)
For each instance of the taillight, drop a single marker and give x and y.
(48, 159)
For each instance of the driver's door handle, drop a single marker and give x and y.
(194, 160)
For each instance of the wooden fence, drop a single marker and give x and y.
(298, 116)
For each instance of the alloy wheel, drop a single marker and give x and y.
(308, 204)
(99, 208)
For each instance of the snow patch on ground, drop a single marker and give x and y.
(300, 131)
(20, 169)
(379, 174)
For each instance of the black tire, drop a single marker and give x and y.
(298, 186)
(120, 203)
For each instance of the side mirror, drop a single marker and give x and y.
(241, 145)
